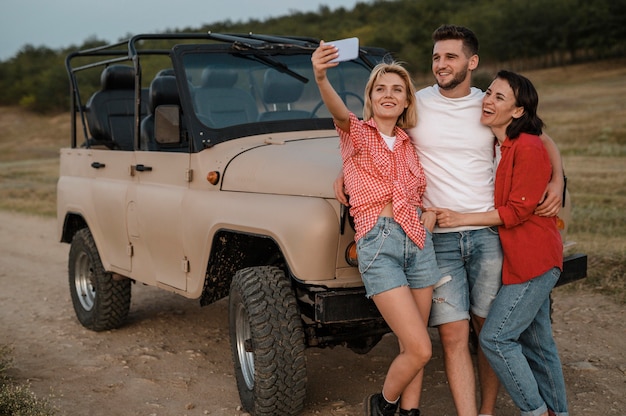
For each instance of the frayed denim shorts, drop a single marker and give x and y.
(472, 263)
(388, 258)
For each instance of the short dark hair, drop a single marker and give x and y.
(447, 32)
(525, 96)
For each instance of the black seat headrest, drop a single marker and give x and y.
(218, 78)
(166, 71)
(163, 91)
(118, 77)
(279, 88)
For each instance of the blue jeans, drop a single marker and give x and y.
(517, 340)
(471, 263)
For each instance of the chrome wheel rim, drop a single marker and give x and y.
(83, 282)
(246, 358)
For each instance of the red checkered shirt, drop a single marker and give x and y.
(375, 176)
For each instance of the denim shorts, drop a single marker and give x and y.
(388, 258)
(471, 262)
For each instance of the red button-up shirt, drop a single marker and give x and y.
(531, 244)
(374, 175)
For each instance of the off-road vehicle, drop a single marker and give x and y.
(203, 164)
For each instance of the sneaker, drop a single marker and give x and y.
(412, 412)
(376, 405)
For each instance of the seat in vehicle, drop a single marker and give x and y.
(280, 91)
(163, 94)
(110, 112)
(219, 103)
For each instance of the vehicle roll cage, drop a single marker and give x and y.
(130, 50)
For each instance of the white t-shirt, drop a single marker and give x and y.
(456, 151)
(389, 140)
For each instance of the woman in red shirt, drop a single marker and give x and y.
(517, 335)
(386, 182)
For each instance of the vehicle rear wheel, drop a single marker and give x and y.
(100, 301)
(267, 342)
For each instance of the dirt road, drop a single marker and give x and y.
(173, 357)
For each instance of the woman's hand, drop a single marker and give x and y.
(321, 60)
(428, 220)
(446, 218)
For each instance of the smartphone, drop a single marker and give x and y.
(348, 49)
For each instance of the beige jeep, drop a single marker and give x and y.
(203, 164)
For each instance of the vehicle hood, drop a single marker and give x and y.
(306, 167)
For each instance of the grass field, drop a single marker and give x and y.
(583, 107)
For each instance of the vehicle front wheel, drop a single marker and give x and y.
(100, 301)
(267, 341)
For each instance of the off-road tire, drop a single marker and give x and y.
(100, 301)
(267, 342)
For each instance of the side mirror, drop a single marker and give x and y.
(167, 124)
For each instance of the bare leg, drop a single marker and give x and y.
(413, 392)
(403, 316)
(459, 366)
(489, 383)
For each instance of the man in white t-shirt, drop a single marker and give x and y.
(458, 156)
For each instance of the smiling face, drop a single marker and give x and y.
(389, 96)
(500, 107)
(452, 67)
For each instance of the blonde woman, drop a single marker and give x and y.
(385, 180)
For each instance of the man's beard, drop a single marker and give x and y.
(456, 81)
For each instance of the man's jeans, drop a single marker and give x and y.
(473, 261)
(517, 340)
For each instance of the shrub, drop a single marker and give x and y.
(18, 400)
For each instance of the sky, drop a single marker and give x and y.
(60, 24)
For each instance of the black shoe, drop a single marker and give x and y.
(412, 412)
(376, 405)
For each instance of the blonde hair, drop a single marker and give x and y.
(408, 118)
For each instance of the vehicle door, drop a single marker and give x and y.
(155, 217)
(109, 188)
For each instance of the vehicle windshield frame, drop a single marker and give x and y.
(249, 72)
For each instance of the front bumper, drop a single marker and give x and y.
(342, 306)
(574, 268)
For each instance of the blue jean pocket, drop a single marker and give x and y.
(368, 247)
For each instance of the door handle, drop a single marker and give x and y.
(97, 165)
(143, 168)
